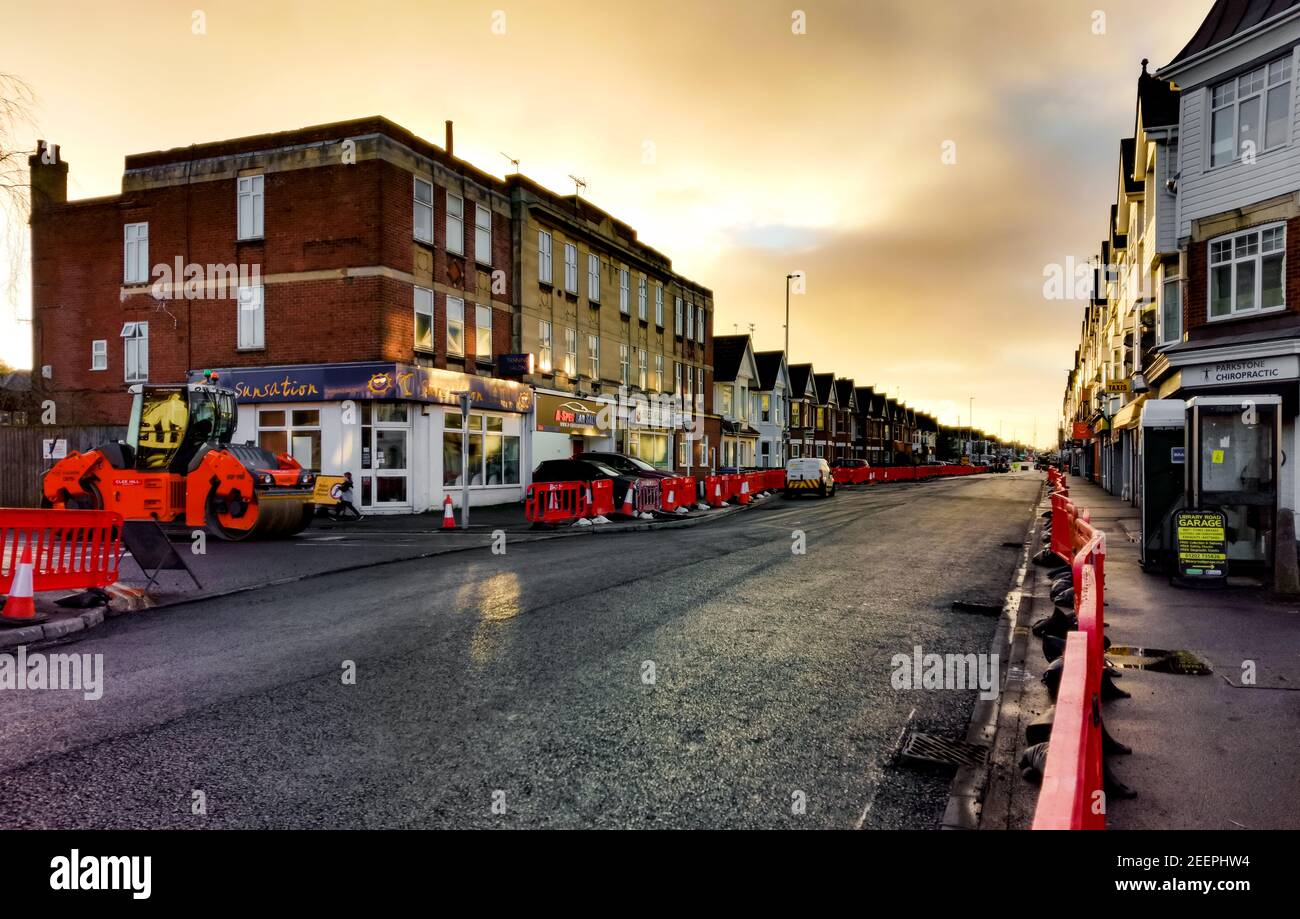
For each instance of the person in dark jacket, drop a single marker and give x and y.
(342, 492)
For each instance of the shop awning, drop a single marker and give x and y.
(1129, 415)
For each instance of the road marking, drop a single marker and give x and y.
(874, 771)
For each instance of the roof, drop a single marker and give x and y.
(799, 374)
(864, 396)
(1229, 18)
(1157, 101)
(728, 352)
(1127, 155)
(824, 383)
(769, 367)
(844, 392)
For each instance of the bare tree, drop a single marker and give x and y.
(17, 102)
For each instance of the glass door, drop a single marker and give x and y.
(386, 451)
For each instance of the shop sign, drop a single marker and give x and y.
(371, 380)
(570, 415)
(1119, 387)
(514, 365)
(1178, 455)
(1082, 431)
(1202, 544)
(1247, 370)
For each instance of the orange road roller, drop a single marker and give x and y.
(177, 465)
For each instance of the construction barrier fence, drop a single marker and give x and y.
(70, 549)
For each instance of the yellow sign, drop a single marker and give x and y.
(324, 485)
(1216, 457)
(1118, 386)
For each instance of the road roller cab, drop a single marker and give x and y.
(177, 464)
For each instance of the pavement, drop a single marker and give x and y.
(711, 677)
(1209, 752)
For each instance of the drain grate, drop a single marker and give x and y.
(928, 750)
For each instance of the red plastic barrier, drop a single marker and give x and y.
(842, 475)
(715, 490)
(600, 498)
(555, 502)
(70, 549)
(1069, 798)
(670, 494)
(646, 496)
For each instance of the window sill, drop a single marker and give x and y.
(250, 239)
(250, 350)
(1238, 162)
(1243, 316)
(423, 243)
(459, 255)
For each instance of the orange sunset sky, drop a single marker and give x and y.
(772, 151)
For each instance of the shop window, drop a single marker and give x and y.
(493, 455)
(292, 431)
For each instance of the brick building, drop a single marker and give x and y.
(346, 279)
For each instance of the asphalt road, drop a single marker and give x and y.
(522, 679)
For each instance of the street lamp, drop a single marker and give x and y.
(789, 395)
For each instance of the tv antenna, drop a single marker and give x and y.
(513, 162)
(579, 185)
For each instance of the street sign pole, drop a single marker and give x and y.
(464, 459)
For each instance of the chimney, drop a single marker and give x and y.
(49, 176)
(448, 145)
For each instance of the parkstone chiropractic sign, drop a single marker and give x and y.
(1245, 370)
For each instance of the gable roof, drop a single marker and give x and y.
(844, 393)
(769, 368)
(800, 379)
(1229, 18)
(862, 397)
(825, 384)
(728, 352)
(1157, 101)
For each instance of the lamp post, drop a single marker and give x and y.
(789, 395)
(464, 397)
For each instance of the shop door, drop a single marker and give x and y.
(1235, 465)
(386, 452)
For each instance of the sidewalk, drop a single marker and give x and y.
(1208, 751)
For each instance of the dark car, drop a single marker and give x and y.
(585, 470)
(850, 464)
(625, 465)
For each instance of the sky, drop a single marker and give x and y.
(922, 163)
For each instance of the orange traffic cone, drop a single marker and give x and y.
(628, 509)
(448, 517)
(20, 607)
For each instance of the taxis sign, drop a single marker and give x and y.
(1201, 538)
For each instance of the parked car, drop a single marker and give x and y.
(582, 470)
(625, 465)
(850, 464)
(809, 474)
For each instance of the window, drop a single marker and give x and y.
(99, 354)
(659, 373)
(493, 454)
(292, 431)
(796, 415)
(593, 277)
(482, 235)
(765, 407)
(1251, 113)
(641, 288)
(545, 354)
(678, 327)
(455, 224)
(593, 356)
(423, 211)
(1247, 272)
(136, 254)
(1171, 311)
(624, 291)
(545, 263)
(571, 352)
(699, 389)
(251, 325)
(624, 363)
(690, 320)
(483, 333)
(821, 417)
(423, 319)
(136, 352)
(677, 377)
(248, 200)
(456, 326)
(724, 405)
(571, 269)
(659, 305)
(699, 325)
(641, 372)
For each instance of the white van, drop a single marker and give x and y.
(809, 475)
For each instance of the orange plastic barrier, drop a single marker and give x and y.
(715, 490)
(555, 502)
(1072, 777)
(70, 549)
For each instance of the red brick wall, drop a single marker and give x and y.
(324, 218)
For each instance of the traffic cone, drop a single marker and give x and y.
(448, 516)
(20, 607)
(628, 509)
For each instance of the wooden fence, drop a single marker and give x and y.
(22, 452)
